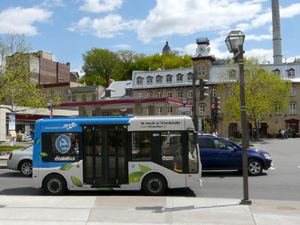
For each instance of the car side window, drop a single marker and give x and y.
(205, 143)
(223, 144)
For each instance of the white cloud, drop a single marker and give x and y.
(122, 46)
(97, 6)
(259, 37)
(21, 20)
(188, 17)
(263, 54)
(53, 3)
(107, 27)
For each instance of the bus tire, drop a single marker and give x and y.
(55, 184)
(154, 184)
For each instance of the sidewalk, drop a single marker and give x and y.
(144, 210)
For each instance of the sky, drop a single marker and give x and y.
(69, 28)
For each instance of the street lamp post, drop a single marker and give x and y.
(234, 42)
(50, 107)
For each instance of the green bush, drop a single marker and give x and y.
(10, 148)
(235, 139)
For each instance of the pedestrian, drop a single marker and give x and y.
(250, 134)
(215, 133)
(282, 132)
(286, 134)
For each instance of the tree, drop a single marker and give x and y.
(265, 92)
(153, 62)
(98, 65)
(15, 84)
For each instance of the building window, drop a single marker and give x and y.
(291, 73)
(190, 93)
(202, 110)
(169, 110)
(58, 93)
(140, 95)
(149, 94)
(293, 91)
(179, 78)
(94, 97)
(159, 79)
(105, 114)
(201, 70)
(190, 77)
(293, 108)
(232, 74)
(65, 93)
(128, 91)
(74, 98)
(52, 93)
(149, 80)
(107, 93)
(169, 94)
(169, 79)
(139, 81)
(159, 111)
(192, 110)
(180, 113)
(125, 113)
(159, 94)
(230, 92)
(213, 92)
(179, 94)
(277, 71)
(84, 98)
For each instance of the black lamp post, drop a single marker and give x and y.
(50, 107)
(234, 42)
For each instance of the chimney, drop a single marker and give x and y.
(277, 49)
(108, 81)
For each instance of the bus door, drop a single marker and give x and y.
(105, 156)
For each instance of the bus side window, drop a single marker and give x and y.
(141, 147)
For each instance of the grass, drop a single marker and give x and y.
(10, 148)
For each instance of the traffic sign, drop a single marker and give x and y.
(184, 109)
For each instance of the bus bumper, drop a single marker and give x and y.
(193, 180)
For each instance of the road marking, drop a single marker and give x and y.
(272, 168)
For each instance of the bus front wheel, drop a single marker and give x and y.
(154, 184)
(55, 184)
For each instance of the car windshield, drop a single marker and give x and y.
(29, 148)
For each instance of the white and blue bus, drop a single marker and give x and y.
(115, 153)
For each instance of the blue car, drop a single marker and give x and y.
(218, 153)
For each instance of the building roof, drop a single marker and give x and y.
(118, 89)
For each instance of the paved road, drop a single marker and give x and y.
(279, 183)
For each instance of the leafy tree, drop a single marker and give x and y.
(264, 92)
(15, 84)
(99, 64)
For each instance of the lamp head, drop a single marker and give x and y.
(234, 39)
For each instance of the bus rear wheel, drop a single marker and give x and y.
(55, 185)
(154, 184)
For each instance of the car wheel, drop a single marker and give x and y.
(154, 184)
(255, 167)
(55, 185)
(26, 168)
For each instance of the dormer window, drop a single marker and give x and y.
(232, 74)
(139, 81)
(189, 77)
(149, 80)
(277, 71)
(169, 79)
(159, 79)
(128, 91)
(107, 93)
(291, 73)
(179, 78)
